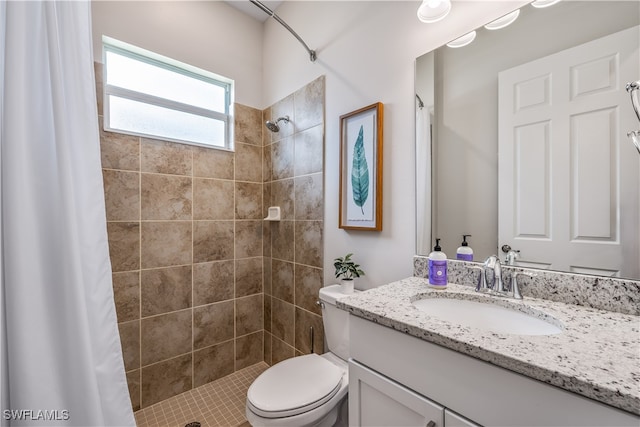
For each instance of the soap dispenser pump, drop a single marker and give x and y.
(464, 252)
(437, 267)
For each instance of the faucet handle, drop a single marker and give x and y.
(482, 281)
(515, 289)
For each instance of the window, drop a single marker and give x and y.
(149, 95)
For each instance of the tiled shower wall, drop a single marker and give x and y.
(185, 238)
(293, 176)
(186, 243)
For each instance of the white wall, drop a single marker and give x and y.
(467, 114)
(367, 50)
(207, 34)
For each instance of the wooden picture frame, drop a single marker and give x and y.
(361, 169)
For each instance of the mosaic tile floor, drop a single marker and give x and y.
(219, 403)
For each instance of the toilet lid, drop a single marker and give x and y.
(294, 386)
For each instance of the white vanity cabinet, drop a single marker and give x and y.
(396, 379)
(375, 400)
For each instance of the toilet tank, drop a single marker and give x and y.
(336, 321)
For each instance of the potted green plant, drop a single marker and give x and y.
(347, 270)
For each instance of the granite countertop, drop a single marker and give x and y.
(597, 355)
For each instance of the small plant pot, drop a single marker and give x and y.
(346, 286)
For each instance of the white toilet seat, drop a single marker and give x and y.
(284, 389)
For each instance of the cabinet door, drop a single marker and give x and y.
(451, 419)
(375, 400)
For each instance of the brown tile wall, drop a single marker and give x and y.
(293, 251)
(186, 242)
(203, 286)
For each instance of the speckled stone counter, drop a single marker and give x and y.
(597, 355)
(606, 293)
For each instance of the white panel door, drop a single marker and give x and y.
(568, 176)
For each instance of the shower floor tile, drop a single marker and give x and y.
(218, 403)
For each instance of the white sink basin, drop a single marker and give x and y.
(487, 316)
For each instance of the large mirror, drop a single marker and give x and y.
(521, 141)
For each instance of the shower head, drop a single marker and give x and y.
(273, 126)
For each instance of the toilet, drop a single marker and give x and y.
(309, 390)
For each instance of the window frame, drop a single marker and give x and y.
(142, 55)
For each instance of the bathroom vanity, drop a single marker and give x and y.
(413, 365)
(408, 367)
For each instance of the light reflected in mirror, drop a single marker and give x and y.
(522, 141)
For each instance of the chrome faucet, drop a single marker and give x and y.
(515, 288)
(511, 257)
(512, 254)
(494, 262)
(496, 286)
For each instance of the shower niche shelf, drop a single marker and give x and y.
(273, 214)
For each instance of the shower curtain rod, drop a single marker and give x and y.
(265, 9)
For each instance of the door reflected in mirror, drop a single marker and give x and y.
(522, 141)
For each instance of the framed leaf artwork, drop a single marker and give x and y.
(361, 169)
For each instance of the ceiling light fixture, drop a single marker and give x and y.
(544, 3)
(463, 40)
(504, 21)
(433, 10)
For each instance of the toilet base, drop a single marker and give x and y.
(342, 419)
(336, 417)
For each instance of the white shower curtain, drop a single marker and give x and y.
(423, 178)
(61, 356)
